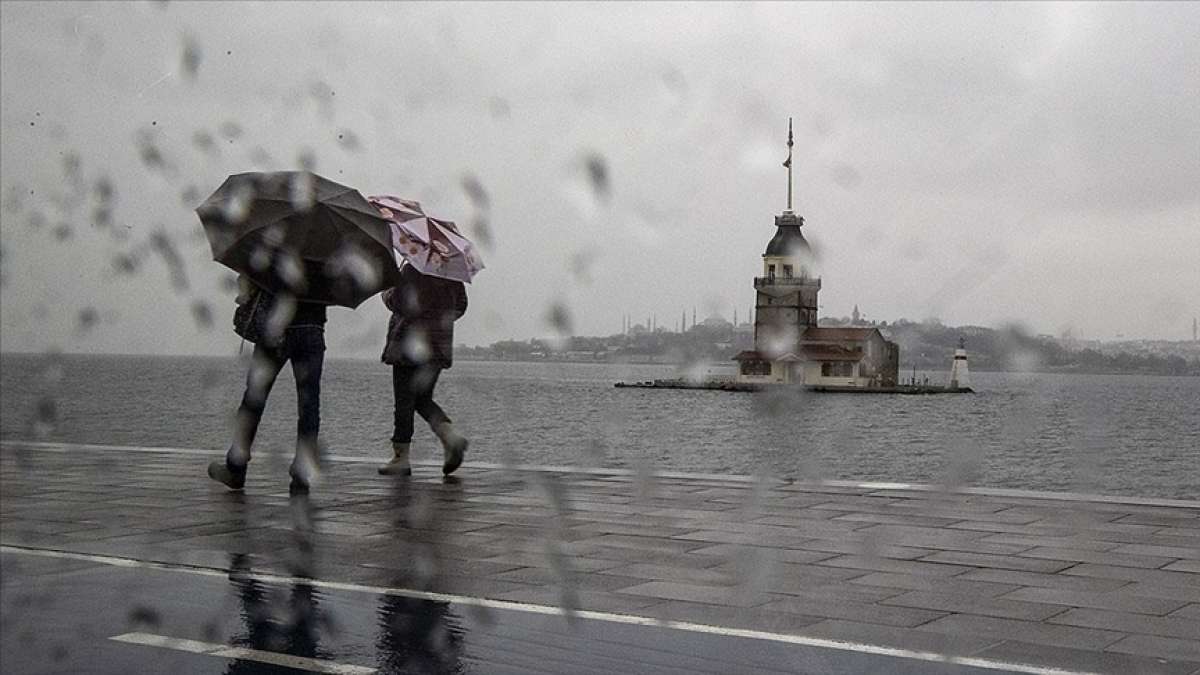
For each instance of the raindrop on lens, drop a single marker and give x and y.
(202, 314)
(301, 191)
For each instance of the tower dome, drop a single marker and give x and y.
(788, 240)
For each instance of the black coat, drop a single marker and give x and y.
(424, 309)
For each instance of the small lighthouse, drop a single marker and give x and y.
(960, 376)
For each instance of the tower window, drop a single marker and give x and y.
(771, 271)
(787, 271)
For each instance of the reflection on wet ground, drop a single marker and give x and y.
(128, 560)
(74, 617)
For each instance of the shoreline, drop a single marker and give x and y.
(632, 362)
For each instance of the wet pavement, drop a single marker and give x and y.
(129, 560)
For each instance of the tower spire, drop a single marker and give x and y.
(788, 164)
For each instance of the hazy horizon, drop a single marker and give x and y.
(984, 164)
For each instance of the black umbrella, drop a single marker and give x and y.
(297, 233)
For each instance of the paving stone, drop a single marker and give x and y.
(1157, 646)
(635, 555)
(1029, 542)
(900, 566)
(731, 551)
(705, 576)
(822, 589)
(896, 519)
(626, 528)
(1191, 611)
(867, 547)
(971, 604)
(913, 582)
(713, 595)
(529, 559)
(863, 612)
(1114, 600)
(1192, 566)
(1159, 577)
(1040, 580)
(1005, 562)
(1172, 518)
(1190, 552)
(1131, 623)
(1102, 557)
(1082, 660)
(909, 535)
(642, 543)
(1037, 632)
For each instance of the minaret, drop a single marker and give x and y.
(786, 302)
(960, 376)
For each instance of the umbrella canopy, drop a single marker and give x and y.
(298, 233)
(433, 246)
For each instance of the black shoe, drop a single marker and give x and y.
(233, 477)
(454, 452)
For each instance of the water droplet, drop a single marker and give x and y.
(45, 416)
(202, 314)
(348, 140)
(144, 616)
(126, 263)
(204, 141)
(475, 192)
(302, 191)
(87, 319)
(190, 58)
(597, 171)
(161, 244)
(230, 130)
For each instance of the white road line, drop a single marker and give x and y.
(683, 475)
(259, 655)
(800, 640)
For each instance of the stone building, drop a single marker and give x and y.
(789, 346)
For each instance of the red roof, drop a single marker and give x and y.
(831, 353)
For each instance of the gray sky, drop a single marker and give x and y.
(981, 163)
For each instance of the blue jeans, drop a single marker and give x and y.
(304, 346)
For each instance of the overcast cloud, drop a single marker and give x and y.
(980, 163)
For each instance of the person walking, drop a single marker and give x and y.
(301, 340)
(420, 344)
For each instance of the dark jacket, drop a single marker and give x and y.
(424, 309)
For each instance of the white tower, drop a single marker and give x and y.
(960, 376)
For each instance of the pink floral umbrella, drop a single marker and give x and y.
(433, 246)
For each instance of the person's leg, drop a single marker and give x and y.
(306, 348)
(404, 403)
(265, 364)
(454, 446)
(423, 382)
